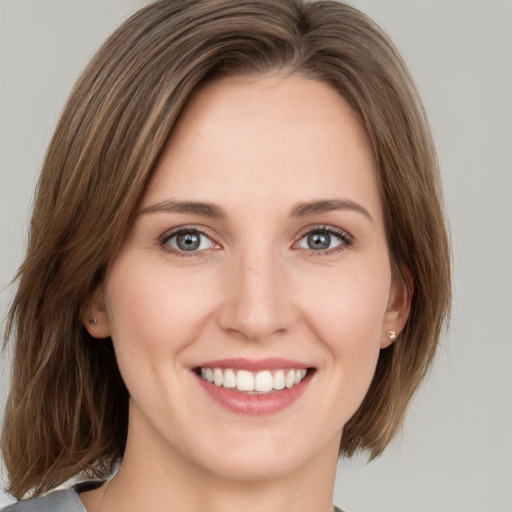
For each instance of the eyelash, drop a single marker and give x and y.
(346, 240)
(164, 239)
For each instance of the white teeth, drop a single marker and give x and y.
(229, 379)
(244, 381)
(264, 382)
(290, 379)
(279, 380)
(258, 382)
(218, 378)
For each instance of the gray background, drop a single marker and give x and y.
(455, 453)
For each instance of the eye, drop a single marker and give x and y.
(187, 241)
(324, 239)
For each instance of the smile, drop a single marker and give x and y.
(254, 387)
(261, 382)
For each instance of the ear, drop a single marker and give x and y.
(94, 316)
(399, 306)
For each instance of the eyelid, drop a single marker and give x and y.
(347, 240)
(171, 233)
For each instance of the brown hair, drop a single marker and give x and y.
(67, 408)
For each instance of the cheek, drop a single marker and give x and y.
(349, 302)
(346, 311)
(154, 315)
(154, 310)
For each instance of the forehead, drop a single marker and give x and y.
(259, 138)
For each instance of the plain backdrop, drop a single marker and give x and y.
(455, 453)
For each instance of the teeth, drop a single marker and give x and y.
(257, 382)
(289, 380)
(218, 378)
(279, 382)
(264, 382)
(244, 381)
(229, 379)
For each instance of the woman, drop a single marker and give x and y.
(238, 265)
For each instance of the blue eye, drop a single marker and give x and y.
(324, 239)
(189, 240)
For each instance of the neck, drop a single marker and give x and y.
(161, 480)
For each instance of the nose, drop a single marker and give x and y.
(257, 305)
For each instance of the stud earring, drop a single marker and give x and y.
(92, 321)
(391, 335)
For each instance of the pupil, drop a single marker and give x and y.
(188, 241)
(319, 241)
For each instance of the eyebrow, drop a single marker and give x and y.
(198, 208)
(328, 205)
(211, 210)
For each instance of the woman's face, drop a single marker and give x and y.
(258, 260)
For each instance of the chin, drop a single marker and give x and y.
(258, 468)
(262, 459)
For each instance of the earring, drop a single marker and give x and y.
(92, 321)
(391, 335)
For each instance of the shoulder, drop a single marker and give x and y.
(56, 501)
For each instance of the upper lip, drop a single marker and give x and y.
(254, 365)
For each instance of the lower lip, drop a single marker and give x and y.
(257, 404)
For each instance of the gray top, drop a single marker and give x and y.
(57, 501)
(61, 501)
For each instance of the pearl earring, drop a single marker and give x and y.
(92, 321)
(391, 335)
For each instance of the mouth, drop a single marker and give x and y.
(261, 382)
(254, 387)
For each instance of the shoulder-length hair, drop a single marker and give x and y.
(67, 409)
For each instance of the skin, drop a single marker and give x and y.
(255, 148)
